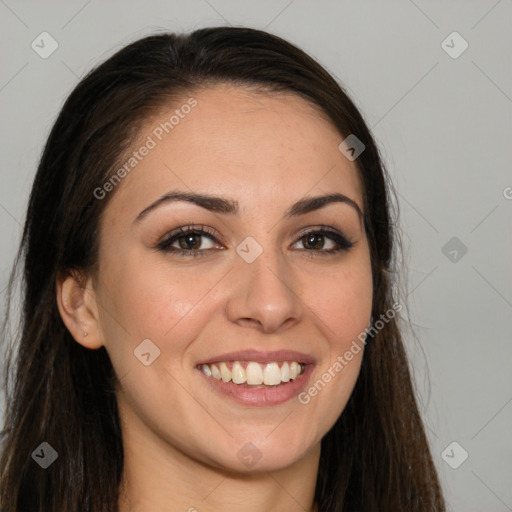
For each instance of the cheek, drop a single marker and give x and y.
(342, 304)
(342, 301)
(157, 301)
(150, 297)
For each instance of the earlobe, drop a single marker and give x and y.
(76, 303)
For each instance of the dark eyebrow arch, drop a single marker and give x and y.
(212, 203)
(309, 204)
(229, 206)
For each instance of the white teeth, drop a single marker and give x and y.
(224, 372)
(285, 372)
(238, 373)
(215, 371)
(271, 374)
(254, 374)
(294, 370)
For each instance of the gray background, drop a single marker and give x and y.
(444, 127)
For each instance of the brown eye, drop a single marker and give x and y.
(313, 241)
(188, 241)
(324, 241)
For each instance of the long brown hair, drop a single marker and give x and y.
(376, 457)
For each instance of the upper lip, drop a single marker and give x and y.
(260, 357)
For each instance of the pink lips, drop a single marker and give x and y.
(260, 397)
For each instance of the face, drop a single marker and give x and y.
(225, 294)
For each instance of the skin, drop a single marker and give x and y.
(180, 436)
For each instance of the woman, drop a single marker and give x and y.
(208, 321)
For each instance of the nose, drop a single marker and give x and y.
(263, 294)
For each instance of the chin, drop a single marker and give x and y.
(260, 455)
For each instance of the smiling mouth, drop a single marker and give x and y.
(251, 374)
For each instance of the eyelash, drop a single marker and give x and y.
(344, 244)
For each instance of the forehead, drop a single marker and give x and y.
(234, 141)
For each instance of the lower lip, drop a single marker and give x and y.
(261, 397)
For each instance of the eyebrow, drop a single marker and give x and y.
(229, 206)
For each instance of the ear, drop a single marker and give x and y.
(78, 309)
